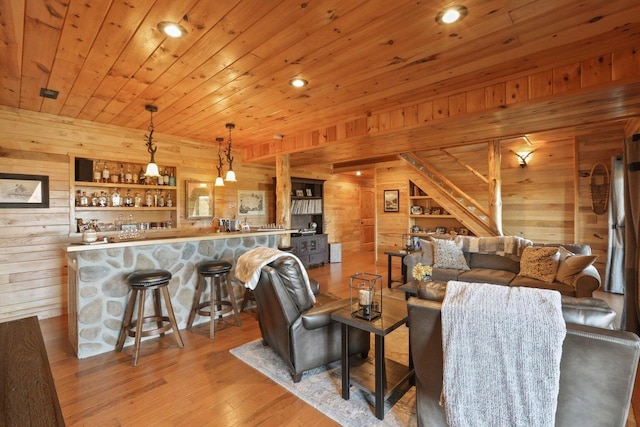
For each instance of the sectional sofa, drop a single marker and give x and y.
(511, 261)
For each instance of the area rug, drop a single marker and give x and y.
(321, 387)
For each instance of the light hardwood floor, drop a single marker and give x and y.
(202, 384)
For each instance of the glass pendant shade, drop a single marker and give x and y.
(152, 170)
(219, 182)
(230, 176)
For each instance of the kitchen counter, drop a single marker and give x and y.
(98, 288)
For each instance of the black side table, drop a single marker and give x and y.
(388, 374)
(390, 256)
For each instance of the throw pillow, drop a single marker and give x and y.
(540, 263)
(448, 254)
(427, 251)
(571, 265)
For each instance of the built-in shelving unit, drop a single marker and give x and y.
(97, 197)
(306, 211)
(427, 217)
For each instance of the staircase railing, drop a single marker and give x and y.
(456, 201)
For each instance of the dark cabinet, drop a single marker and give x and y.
(312, 250)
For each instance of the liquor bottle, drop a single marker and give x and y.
(128, 199)
(102, 200)
(115, 178)
(97, 173)
(148, 199)
(123, 177)
(84, 200)
(172, 179)
(128, 178)
(165, 177)
(141, 177)
(105, 173)
(161, 200)
(169, 200)
(116, 201)
(137, 201)
(135, 178)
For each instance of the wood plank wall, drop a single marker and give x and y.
(33, 271)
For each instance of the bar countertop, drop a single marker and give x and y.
(173, 237)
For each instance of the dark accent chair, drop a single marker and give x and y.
(302, 333)
(597, 370)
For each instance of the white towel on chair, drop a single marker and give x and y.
(249, 265)
(502, 348)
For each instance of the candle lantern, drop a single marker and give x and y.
(366, 296)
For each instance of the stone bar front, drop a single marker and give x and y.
(98, 288)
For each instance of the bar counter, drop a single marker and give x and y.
(98, 288)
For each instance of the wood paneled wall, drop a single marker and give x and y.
(33, 276)
(33, 271)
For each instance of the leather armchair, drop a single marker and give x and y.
(597, 371)
(302, 333)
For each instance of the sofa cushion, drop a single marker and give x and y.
(487, 275)
(571, 265)
(520, 280)
(448, 254)
(445, 274)
(496, 262)
(540, 263)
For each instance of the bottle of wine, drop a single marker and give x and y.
(105, 173)
(97, 173)
(165, 177)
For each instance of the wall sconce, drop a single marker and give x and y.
(219, 181)
(231, 175)
(152, 168)
(522, 158)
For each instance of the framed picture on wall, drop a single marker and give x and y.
(199, 198)
(392, 200)
(251, 202)
(24, 191)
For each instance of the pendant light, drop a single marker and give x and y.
(231, 175)
(152, 168)
(219, 181)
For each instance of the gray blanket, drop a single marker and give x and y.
(502, 348)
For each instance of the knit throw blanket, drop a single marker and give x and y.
(499, 245)
(502, 348)
(249, 265)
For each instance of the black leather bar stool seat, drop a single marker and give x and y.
(140, 282)
(217, 274)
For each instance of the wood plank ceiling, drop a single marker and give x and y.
(108, 59)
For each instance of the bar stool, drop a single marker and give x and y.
(215, 272)
(140, 282)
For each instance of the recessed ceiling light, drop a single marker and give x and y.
(451, 14)
(172, 29)
(297, 82)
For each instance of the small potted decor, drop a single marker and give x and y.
(422, 272)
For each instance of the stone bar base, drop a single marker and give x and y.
(98, 289)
